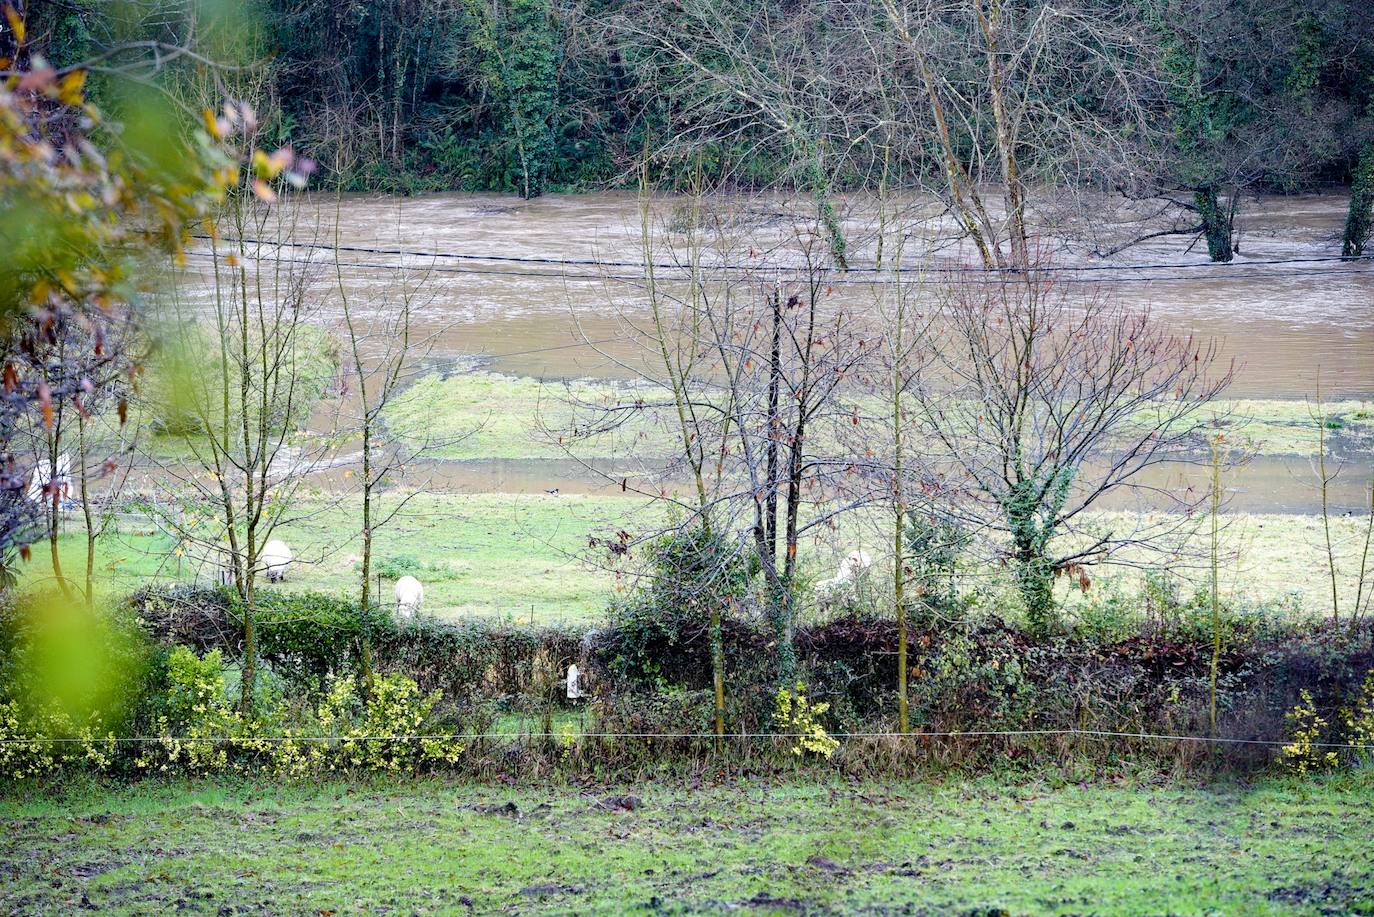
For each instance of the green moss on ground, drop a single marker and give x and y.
(961, 846)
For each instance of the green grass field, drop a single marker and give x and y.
(489, 415)
(479, 554)
(524, 556)
(482, 415)
(957, 847)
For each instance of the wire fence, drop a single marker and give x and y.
(764, 266)
(1104, 734)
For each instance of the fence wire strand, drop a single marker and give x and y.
(427, 737)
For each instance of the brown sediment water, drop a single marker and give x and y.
(521, 300)
(1280, 322)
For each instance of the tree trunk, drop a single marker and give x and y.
(899, 602)
(86, 509)
(1361, 214)
(718, 672)
(774, 383)
(1216, 222)
(250, 650)
(1216, 600)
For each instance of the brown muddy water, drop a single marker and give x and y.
(501, 284)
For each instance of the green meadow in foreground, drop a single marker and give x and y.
(962, 846)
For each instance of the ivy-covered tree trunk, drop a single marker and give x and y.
(1216, 222)
(532, 86)
(1361, 214)
(1032, 508)
(518, 49)
(1035, 582)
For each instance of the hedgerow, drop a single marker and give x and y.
(322, 707)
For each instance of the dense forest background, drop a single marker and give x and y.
(530, 96)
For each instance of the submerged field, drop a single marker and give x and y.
(962, 846)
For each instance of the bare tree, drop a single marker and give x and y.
(1327, 468)
(242, 402)
(884, 444)
(1023, 95)
(676, 394)
(1041, 401)
(779, 80)
(382, 343)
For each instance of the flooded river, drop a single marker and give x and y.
(1281, 322)
(510, 286)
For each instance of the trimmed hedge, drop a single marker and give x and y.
(306, 636)
(655, 676)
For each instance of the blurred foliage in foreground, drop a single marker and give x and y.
(89, 206)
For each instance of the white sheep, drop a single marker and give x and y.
(276, 557)
(854, 566)
(44, 477)
(410, 595)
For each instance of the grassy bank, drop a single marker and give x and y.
(482, 415)
(520, 555)
(955, 847)
(489, 415)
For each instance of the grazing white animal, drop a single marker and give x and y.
(854, 566)
(43, 476)
(410, 595)
(276, 557)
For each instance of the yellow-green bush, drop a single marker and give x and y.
(387, 726)
(1359, 722)
(43, 742)
(199, 726)
(1304, 753)
(796, 716)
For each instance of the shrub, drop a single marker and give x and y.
(397, 566)
(307, 636)
(70, 680)
(389, 726)
(658, 636)
(1304, 753)
(794, 715)
(662, 719)
(303, 636)
(1359, 723)
(198, 725)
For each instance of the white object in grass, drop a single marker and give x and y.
(855, 565)
(410, 595)
(276, 557)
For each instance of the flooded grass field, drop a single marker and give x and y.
(523, 307)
